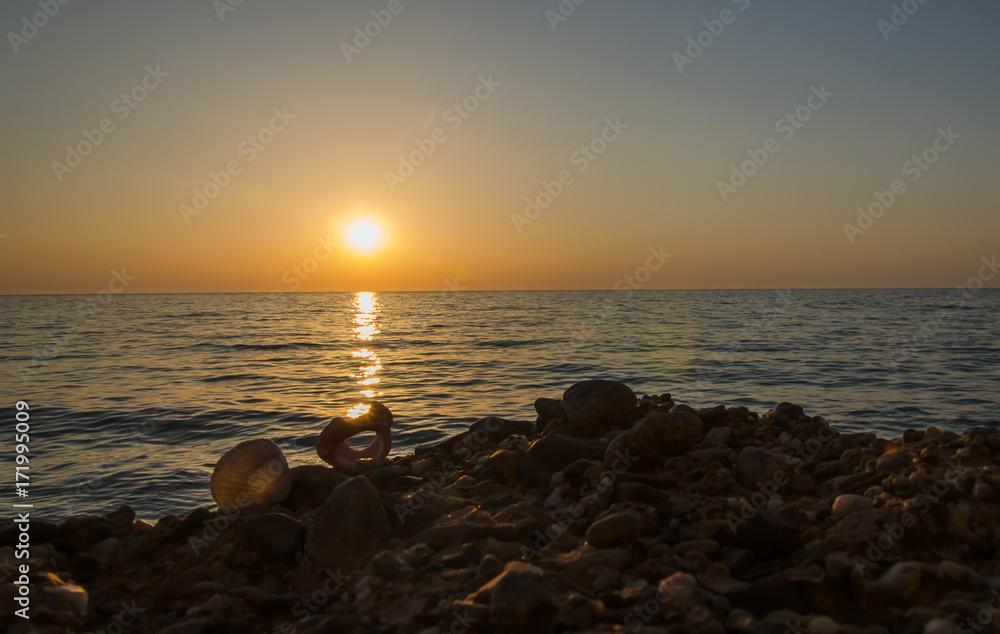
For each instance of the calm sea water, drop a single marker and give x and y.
(133, 401)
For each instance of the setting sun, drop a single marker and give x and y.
(364, 235)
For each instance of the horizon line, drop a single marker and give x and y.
(557, 290)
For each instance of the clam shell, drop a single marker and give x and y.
(332, 445)
(254, 470)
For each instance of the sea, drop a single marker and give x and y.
(131, 399)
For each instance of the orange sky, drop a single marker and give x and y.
(497, 107)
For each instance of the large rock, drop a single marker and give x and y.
(597, 405)
(350, 523)
(659, 433)
(553, 453)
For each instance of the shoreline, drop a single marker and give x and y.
(608, 513)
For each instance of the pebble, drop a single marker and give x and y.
(718, 436)
(531, 532)
(849, 503)
(759, 466)
(615, 529)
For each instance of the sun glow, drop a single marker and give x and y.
(364, 236)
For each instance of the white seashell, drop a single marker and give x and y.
(253, 472)
(332, 445)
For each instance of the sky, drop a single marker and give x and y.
(200, 146)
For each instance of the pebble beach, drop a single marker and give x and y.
(609, 512)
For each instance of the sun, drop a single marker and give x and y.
(364, 236)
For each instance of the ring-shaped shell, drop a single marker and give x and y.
(332, 445)
(253, 472)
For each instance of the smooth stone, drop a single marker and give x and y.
(822, 625)
(711, 415)
(659, 433)
(848, 503)
(386, 564)
(940, 625)
(276, 537)
(596, 405)
(677, 590)
(420, 467)
(518, 598)
(617, 528)
(350, 523)
(902, 580)
(891, 461)
(106, 549)
(490, 566)
(757, 466)
(553, 453)
(718, 436)
(548, 409)
(496, 428)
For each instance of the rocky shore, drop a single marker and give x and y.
(608, 513)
